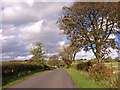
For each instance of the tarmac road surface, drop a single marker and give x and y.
(52, 79)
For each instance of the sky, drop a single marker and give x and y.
(24, 23)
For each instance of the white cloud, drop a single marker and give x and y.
(30, 2)
(30, 46)
(29, 56)
(1, 31)
(113, 53)
(50, 54)
(10, 29)
(4, 38)
(112, 36)
(16, 14)
(23, 57)
(20, 58)
(31, 30)
(22, 12)
(85, 55)
(61, 43)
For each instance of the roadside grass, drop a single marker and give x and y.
(82, 79)
(15, 79)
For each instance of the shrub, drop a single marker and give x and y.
(84, 66)
(81, 66)
(93, 61)
(74, 66)
(100, 72)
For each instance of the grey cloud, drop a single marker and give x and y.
(22, 13)
(13, 47)
(23, 34)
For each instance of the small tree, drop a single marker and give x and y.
(38, 53)
(53, 61)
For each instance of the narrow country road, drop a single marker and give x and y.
(52, 79)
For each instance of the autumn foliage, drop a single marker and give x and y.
(90, 25)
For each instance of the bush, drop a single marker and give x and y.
(84, 66)
(81, 66)
(74, 66)
(93, 61)
(100, 72)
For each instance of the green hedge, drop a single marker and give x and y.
(11, 69)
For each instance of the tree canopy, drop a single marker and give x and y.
(90, 25)
(38, 53)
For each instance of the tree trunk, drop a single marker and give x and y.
(74, 58)
(98, 55)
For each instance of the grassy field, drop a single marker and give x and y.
(82, 80)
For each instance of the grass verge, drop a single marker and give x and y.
(15, 79)
(82, 79)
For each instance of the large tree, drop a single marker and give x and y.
(91, 24)
(38, 53)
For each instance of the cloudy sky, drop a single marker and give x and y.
(24, 23)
